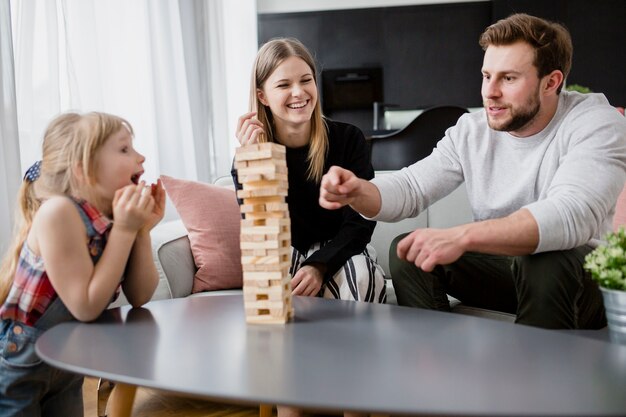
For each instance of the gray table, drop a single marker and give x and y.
(340, 355)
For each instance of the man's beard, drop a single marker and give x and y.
(519, 117)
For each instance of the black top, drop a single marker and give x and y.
(345, 232)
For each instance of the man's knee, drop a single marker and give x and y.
(535, 271)
(554, 291)
(393, 248)
(547, 272)
(414, 287)
(398, 267)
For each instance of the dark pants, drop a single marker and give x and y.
(550, 289)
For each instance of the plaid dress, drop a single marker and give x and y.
(32, 292)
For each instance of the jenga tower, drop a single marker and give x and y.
(265, 232)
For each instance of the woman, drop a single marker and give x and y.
(331, 255)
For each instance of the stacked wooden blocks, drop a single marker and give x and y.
(265, 232)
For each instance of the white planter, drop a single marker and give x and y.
(615, 306)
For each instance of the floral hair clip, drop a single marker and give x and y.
(33, 172)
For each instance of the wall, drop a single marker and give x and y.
(429, 53)
(598, 30)
(288, 6)
(429, 50)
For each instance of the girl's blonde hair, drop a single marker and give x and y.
(270, 56)
(70, 143)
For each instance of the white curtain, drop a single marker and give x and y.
(165, 66)
(10, 176)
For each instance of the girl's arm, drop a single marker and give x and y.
(141, 276)
(59, 235)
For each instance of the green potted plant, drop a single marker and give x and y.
(584, 90)
(607, 265)
(579, 88)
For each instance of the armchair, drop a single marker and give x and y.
(416, 141)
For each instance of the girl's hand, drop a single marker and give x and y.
(133, 206)
(158, 193)
(307, 281)
(249, 129)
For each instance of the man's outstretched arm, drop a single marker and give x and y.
(340, 187)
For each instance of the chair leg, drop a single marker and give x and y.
(265, 410)
(104, 392)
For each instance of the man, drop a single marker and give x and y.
(543, 169)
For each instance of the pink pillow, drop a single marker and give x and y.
(211, 216)
(620, 210)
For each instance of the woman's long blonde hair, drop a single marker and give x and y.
(270, 56)
(70, 143)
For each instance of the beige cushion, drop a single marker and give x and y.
(211, 216)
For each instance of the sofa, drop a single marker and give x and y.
(176, 267)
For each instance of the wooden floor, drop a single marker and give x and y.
(155, 403)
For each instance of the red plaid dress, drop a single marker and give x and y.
(32, 292)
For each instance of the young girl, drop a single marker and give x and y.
(331, 255)
(85, 224)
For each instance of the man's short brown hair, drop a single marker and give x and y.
(551, 41)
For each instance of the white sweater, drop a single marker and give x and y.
(568, 176)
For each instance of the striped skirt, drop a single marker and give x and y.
(360, 278)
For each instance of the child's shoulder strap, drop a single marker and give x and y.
(91, 231)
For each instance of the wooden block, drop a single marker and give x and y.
(248, 235)
(258, 284)
(264, 200)
(264, 267)
(254, 252)
(279, 308)
(265, 260)
(262, 230)
(264, 276)
(268, 311)
(249, 208)
(272, 305)
(267, 319)
(259, 162)
(271, 206)
(282, 285)
(262, 192)
(246, 179)
(266, 284)
(259, 151)
(267, 215)
(280, 311)
(284, 251)
(251, 177)
(262, 184)
(273, 293)
(268, 171)
(270, 244)
(261, 208)
(265, 222)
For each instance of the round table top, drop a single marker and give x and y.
(341, 355)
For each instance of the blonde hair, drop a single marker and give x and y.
(270, 56)
(70, 142)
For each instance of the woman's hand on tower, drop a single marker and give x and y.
(249, 129)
